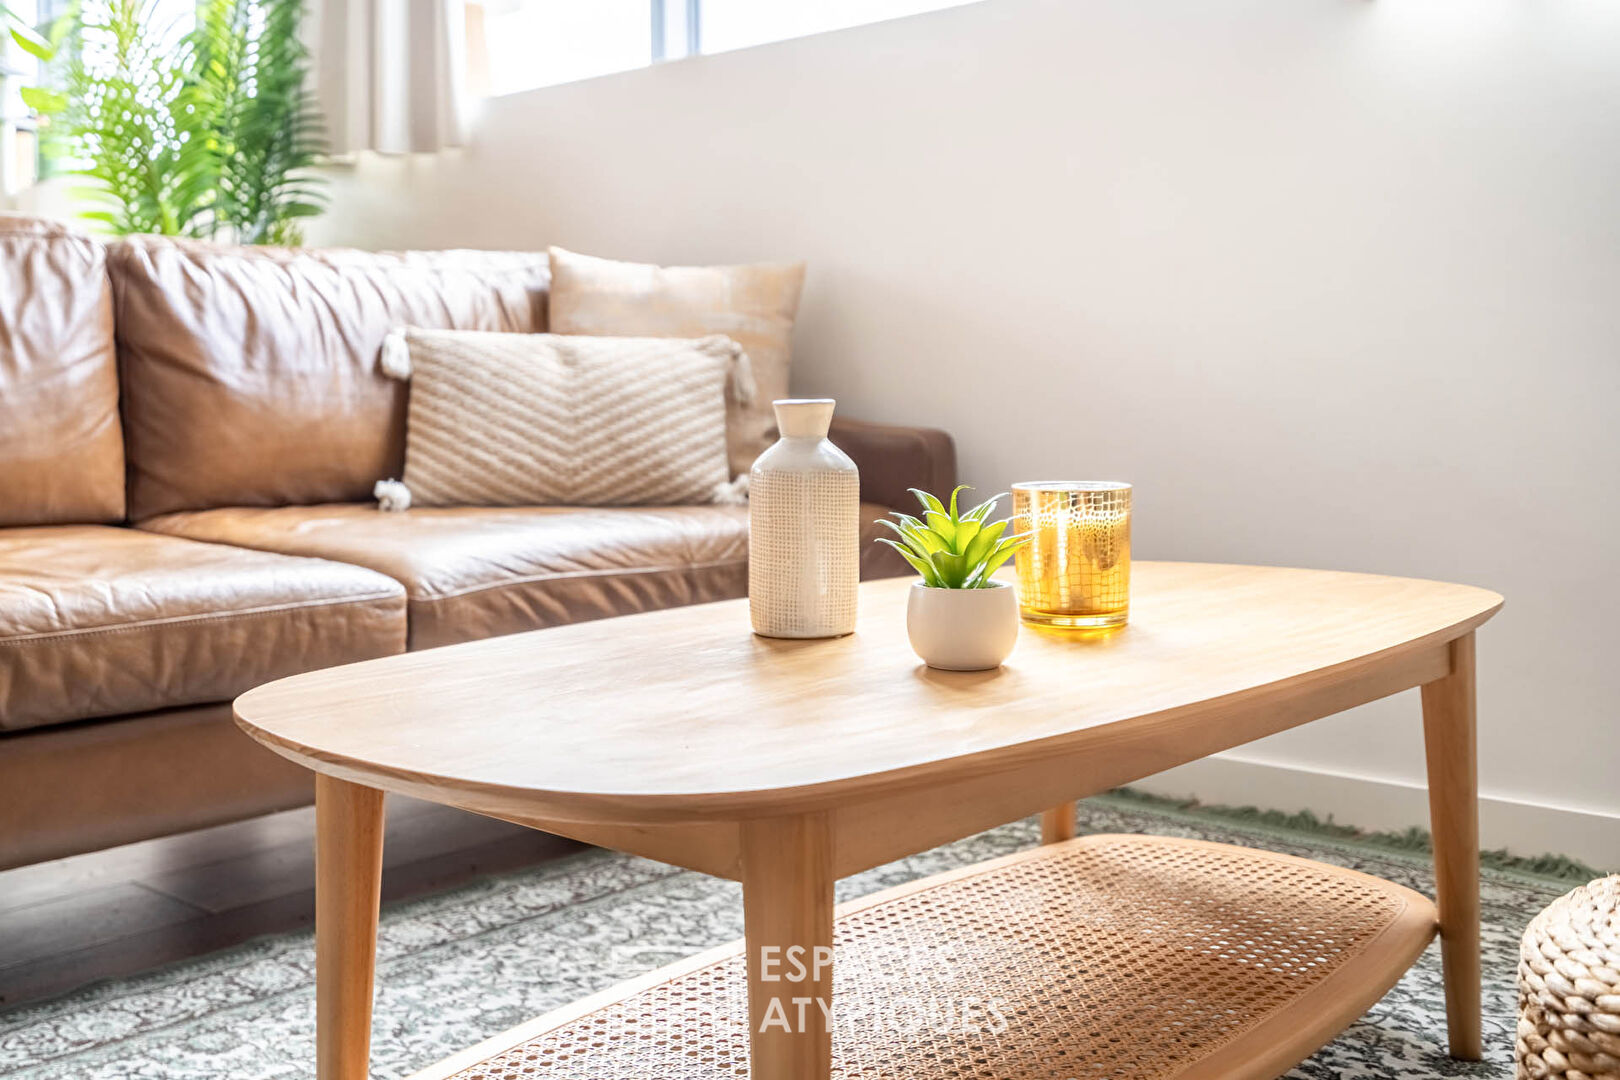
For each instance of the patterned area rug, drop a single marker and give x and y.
(455, 968)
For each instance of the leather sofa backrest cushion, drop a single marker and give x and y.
(61, 445)
(251, 376)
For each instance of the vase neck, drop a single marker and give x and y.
(803, 418)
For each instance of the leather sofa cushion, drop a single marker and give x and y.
(251, 374)
(477, 572)
(97, 620)
(61, 445)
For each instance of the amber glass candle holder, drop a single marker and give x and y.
(1075, 572)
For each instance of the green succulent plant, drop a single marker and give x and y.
(953, 550)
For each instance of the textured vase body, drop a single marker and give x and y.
(804, 530)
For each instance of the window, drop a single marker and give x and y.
(533, 43)
(737, 24)
(18, 135)
(515, 45)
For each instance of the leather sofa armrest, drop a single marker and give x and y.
(893, 458)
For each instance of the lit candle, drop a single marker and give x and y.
(1075, 572)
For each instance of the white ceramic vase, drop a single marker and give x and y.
(962, 629)
(804, 530)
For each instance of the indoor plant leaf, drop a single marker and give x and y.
(928, 501)
(42, 100)
(31, 42)
(984, 509)
(918, 538)
(924, 541)
(952, 568)
(967, 530)
(930, 576)
(942, 526)
(210, 134)
(1002, 552)
(981, 544)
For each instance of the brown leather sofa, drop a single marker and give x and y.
(189, 435)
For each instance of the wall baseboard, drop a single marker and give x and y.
(1376, 804)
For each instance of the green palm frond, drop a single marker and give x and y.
(210, 134)
(952, 549)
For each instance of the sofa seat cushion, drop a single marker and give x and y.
(98, 620)
(478, 572)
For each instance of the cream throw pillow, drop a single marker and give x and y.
(753, 305)
(544, 419)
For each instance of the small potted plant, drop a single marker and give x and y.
(957, 616)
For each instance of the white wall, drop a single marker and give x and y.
(1335, 282)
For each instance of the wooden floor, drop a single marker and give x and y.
(110, 913)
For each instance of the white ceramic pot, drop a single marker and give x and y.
(963, 629)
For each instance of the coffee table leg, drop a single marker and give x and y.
(1058, 823)
(348, 880)
(1451, 748)
(788, 918)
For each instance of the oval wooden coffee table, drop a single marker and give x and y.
(788, 764)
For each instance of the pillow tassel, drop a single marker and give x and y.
(743, 376)
(743, 387)
(392, 496)
(733, 494)
(396, 355)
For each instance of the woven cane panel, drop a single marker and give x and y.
(1112, 957)
(1569, 987)
(804, 551)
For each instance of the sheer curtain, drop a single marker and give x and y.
(389, 74)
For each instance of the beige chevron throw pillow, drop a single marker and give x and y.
(548, 419)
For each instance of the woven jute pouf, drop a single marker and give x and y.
(1569, 987)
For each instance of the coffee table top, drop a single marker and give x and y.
(684, 713)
